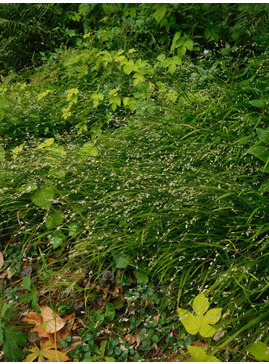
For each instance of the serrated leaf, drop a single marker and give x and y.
(200, 304)
(199, 355)
(213, 316)
(190, 322)
(160, 12)
(43, 197)
(259, 350)
(89, 150)
(16, 151)
(12, 338)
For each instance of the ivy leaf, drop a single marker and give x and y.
(47, 351)
(12, 338)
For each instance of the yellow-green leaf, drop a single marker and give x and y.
(213, 315)
(48, 142)
(200, 304)
(190, 322)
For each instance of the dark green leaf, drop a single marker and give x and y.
(12, 338)
(110, 312)
(27, 283)
(257, 103)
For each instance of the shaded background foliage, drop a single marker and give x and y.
(28, 29)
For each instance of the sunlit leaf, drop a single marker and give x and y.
(200, 304)
(259, 350)
(190, 322)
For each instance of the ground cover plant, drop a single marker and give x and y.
(134, 188)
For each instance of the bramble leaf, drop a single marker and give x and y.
(202, 322)
(200, 304)
(190, 322)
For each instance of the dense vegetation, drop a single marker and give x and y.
(134, 151)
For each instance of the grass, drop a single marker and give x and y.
(172, 197)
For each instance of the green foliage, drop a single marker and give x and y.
(203, 320)
(10, 336)
(199, 355)
(259, 350)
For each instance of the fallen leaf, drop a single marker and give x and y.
(7, 273)
(200, 345)
(130, 338)
(52, 321)
(65, 331)
(47, 351)
(46, 322)
(1, 260)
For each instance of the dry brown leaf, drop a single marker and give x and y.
(65, 331)
(45, 324)
(1, 260)
(47, 351)
(7, 273)
(51, 321)
(130, 338)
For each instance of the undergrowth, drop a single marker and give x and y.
(168, 200)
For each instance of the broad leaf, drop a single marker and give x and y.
(190, 322)
(54, 219)
(259, 350)
(12, 339)
(200, 304)
(141, 277)
(122, 261)
(213, 316)
(261, 152)
(43, 197)
(199, 355)
(257, 103)
(263, 134)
